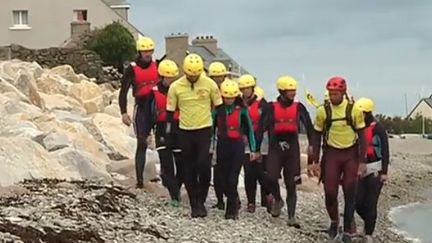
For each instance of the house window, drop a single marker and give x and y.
(20, 17)
(80, 15)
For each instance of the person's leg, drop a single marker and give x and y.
(177, 152)
(262, 181)
(360, 198)
(233, 168)
(141, 127)
(218, 185)
(189, 169)
(292, 178)
(349, 186)
(331, 180)
(359, 205)
(223, 160)
(274, 167)
(374, 186)
(250, 179)
(202, 147)
(167, 173)
(179, 169)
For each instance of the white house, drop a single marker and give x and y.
(423, 108)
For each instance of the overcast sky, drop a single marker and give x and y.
(383, 48)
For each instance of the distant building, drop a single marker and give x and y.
(423, 108)
(53, 23)
(206, 46)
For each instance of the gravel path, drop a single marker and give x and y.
(57, 211)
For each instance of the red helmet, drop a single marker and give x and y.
(337, 84)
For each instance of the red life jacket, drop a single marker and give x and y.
(285, 118)
(254, 114)
(160, 103)
(145, 79)
(232, 123)
(371, 154)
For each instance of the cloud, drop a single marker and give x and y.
(382, 47)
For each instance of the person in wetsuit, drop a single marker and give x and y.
(282, 121)
(142, 76)
(371, 183)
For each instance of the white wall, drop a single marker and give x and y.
(50, 20)
(422, 109)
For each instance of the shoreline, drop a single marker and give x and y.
(404, 233)
(410, 180)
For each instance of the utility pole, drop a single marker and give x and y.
(423, 125)
(406, 105)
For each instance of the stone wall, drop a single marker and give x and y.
(83, 61)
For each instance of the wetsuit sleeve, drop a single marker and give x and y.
(259, 134)
(316, 146)
(214, 121)
(169, 123)
(385, 151)
(126, 82)
(262, 124)
(307, 122)
(153, 112)
(172, 98)
(246, 125)
(362, 146)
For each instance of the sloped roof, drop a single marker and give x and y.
(221, 56)
(134, 30)
(428, 101)
(203, 52)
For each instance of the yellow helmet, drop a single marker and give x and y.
(193, 65)
(168, 68)
(286, 83)
(145, 44)
(259, 92)
(229, 89)
(365, 104)
(246, 81)
(217, 69)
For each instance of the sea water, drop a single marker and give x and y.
(414, 221)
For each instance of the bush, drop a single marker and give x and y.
(114, 44)
(398, 125)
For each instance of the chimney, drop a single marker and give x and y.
(78, 28)
(176, 46)
(208, 42)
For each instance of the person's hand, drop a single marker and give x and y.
(126, 119)
(150, 139)
(313, 170)
(362, 169)
(254, 156)
(383, 178)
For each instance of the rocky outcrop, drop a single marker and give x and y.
(52, 124)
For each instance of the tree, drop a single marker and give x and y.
(398, 125)
(114, 44)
